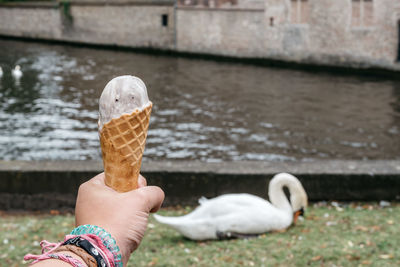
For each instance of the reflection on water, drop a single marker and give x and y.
(203, 110)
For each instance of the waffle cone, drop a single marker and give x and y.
(122, 144)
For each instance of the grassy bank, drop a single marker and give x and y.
(356, 234)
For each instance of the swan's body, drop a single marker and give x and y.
(242, 213)
(16, 72)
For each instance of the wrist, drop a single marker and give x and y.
(123, 249)
(103, 239)
(90, 248)
(86, 246)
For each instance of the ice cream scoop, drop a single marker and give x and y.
(121, 95)
(124, 115)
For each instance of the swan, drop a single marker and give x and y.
(16, 72)
(1, 72)
(242, 215)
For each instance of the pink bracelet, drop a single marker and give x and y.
(47, 253)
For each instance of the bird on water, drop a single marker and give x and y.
(16, 72)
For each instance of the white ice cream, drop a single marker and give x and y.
(122, 95)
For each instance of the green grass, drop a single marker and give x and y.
(359, 234)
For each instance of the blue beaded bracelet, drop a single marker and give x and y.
(108, 241)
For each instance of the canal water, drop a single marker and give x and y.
(203, 110)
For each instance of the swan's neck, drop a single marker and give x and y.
(278, 198)
(277, 195)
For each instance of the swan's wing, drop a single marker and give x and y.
(198, 229)
(247, 221)
(243, 199)
(238, 200)
(249, 214)
(227, 204)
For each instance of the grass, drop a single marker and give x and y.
(355, 234)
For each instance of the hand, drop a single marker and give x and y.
(123, 215)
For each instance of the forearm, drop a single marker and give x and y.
(124, 217)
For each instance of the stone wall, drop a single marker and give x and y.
(311, 31)
(132, 23)
(221, 32)
(125, 25)
(36, 21)
(43, 185)
(329, 35)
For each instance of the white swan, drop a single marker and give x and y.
(237, 215)
(16, 72)
(1, 72)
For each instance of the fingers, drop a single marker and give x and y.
(142, 181)
(154, 197)
(98, 179)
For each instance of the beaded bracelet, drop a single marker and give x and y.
(106, 238)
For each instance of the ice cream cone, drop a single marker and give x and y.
(122, 143)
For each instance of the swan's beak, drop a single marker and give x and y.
(296, 215)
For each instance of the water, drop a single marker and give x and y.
(203, 110)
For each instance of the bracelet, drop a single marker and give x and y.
(62, 257)
(90, 249)
(88, 259)
(106, 239)
(48, 252)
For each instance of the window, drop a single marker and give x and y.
(299, 11)
(164, 20)
(398, 43)
(362, 13)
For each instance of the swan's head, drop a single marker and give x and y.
(17, 67)
(298, 200)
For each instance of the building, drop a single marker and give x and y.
(350, 33)
(357, 33)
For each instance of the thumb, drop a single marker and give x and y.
(153, 197)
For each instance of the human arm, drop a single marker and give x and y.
(123, 215)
